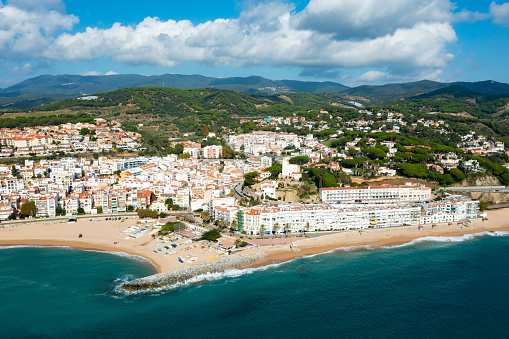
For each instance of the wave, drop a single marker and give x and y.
(233, 273)
(453, 239)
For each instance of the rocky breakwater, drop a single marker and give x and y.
(186, 273)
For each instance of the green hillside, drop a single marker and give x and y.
(457, 99)
(48, 88)
(382, 95)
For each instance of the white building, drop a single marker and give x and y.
(212, 152)
(268, 188)
(385, 194)
(290, 170)
(449, 211)
(312, 217)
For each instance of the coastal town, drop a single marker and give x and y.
(201, 182)
(273, 188)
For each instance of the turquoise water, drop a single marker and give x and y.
(457, 288)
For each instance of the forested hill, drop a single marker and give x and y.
(175, 102)
(50, 88)
(381, 95)
(79, 84)
(458, 100)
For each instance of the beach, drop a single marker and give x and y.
(498, 220)
(113, 236)
(110, 236)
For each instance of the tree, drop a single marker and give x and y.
(205, 131)
(222, 224)
(483, 205)
(14, 171)
(84, 131)
(59, 211)
(306, 228)
(147, 213)
(205, 216)
(249, 178)
(99, 209)
(352, 151)
(234, 225)
(299, 160)
(228, 153)
(211, 235)
(81, 211)
(95, 155)
(457, 174)
(286, 228)
(276, 228)
(262, 231)
(28, 209)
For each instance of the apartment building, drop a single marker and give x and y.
(385, 194)
(313, 217)
(212, 152)
(449, 211)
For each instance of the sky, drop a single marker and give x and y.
(353, 42)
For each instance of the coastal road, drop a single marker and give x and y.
(493, 189)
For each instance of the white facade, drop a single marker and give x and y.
(312, 217)
(385, 194)
(449, 211)
(269, 188)
(212, 152)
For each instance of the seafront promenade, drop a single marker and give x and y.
(200, 259)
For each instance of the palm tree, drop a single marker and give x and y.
(222, 224)
(306, 228)
(287, 228)
(262, 230)
(234, 226)
(276, 228)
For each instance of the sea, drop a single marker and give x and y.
(455, 287)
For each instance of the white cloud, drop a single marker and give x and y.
(27, 31)
(278, 39)
(92, 73)
(350, 19)
(378, 77)
(25, 69)
(397, 39)
(500, 13)
(111, 73)
(375, 76)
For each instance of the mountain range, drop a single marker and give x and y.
(50, 88)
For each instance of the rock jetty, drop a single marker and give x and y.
(183, 274)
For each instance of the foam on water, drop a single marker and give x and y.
(455, 239)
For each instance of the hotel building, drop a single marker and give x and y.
(386, 194)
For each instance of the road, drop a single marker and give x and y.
(496, 189)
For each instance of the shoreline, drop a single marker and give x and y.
(282, 254)
(80, 246)
(99, 236)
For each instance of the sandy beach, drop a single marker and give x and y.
(110, 236)
(498, 220)
(113, 236)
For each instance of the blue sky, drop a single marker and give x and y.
(353, 42)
